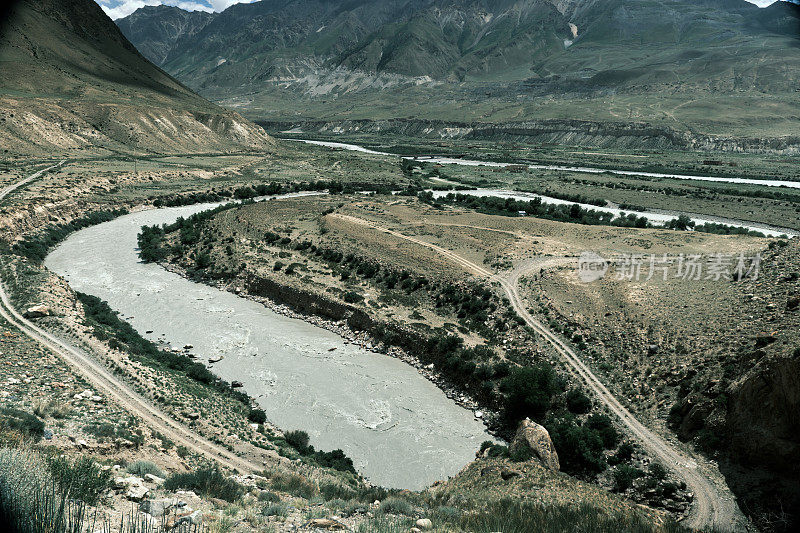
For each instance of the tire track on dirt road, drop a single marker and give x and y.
(109, 384)
(714, 506)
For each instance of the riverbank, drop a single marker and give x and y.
(351, 336)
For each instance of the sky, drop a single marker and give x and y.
(122, 8)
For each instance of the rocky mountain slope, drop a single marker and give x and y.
(491, 61)
(158, 28)
(72, 84)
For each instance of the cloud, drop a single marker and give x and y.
(222, 5)
(122, 8)
(762, 3)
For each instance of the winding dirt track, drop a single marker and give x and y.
(113, 387)
(714, 507)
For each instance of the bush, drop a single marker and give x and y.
(208, 482)
(657, 471)
(293, 484)
(21, 422)
(332, 491)
(257, 416)
(297, 439)
(268, 496)
(81, 479)
(140, 468)
(601, 424)
(276, 509)
(624, 476)
(529, 392)
(394, 505)
(577, 402)
(56, 409)
(580, 449)
(352, 297)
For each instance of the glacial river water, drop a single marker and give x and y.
(657, 217)
(400, 430)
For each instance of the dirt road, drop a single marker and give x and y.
(714, 506)
(110, 385)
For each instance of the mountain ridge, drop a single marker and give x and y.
(465, 60)
(73, 84)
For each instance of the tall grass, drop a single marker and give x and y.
(41, 495)
(30, 499)
(515, 517)
(207, 481)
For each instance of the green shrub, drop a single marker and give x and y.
(207, 481)
(624, 476)
(602, 425)
(81, 479)
(257, 416)
(297, 439)
(529, 392)
(521, 454)
(24, 423)
(580, 449)
(140, 468)
(332, 491)
(577, 402)
(657, 471)
(352, 297)
(268, 496)
(276, 509)
(394, 505)
(293, 484)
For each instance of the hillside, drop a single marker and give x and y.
(497, 62)
(72, 84)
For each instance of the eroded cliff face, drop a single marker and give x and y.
(762, 424)
(610, 135)
(747, 414)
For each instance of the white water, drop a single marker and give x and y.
(587, 170)
(654, 217)
(400, 430)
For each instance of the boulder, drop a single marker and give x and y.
(424, 524)
(125, 482)
(187, 517)
(156, 508)
(150, 478)
(37, 311)
(534, 437)
(136, 493)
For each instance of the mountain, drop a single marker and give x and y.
(73, 84)
(707, 66)
(158, 28)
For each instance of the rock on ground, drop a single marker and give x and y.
(536, 438)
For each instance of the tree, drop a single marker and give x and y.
(682, 223)
(529, 392)
(577, 402)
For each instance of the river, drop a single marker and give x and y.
(655, 216)
(400, 430)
